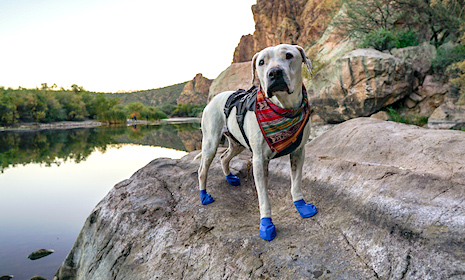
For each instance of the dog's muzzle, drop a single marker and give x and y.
(276, 81)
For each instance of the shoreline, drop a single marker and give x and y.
(87, 124)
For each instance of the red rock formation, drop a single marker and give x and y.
(299, 22)
(195, 91)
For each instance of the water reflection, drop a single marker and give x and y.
(52, 179)
(56, 146)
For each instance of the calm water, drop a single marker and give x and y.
(51, 180)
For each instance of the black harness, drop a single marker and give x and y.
(243, 101)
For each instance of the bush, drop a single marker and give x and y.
(407, 38)
(380, 39)
(383, 39)
(409, 118)
(114, 115)
(448, 54)
(188, 110)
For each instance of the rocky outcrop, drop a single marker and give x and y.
(390, 199)
(245, 50)
(290, 21)
(236, 76)
(357, 84)
(195, 91)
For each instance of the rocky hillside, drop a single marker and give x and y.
(390, 199)
(195, 91)
(152, 97)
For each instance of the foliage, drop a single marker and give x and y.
(457, 71)
(438, 21)
(448, 54)
(384, 39)
(50, 105)
(407, 38)
(380, 39)
(188, 110)
(409, 118)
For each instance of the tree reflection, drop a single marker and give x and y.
(57, 146)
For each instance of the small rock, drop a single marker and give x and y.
(381, 115)
(40, 254)
(6, 277)
(37, 277)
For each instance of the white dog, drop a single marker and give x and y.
(279, 70)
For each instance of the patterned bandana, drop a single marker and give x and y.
(281, 127)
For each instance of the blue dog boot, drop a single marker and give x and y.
(267, 229)
(205, 197)
(306, 210)
(233, 180)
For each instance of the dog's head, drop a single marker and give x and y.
(279, 69)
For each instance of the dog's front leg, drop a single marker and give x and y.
(297, 157)
(260, 172)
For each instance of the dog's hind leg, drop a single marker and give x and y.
(305, 210)
(210, 141)
(233, 150)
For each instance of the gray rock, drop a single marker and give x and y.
(390, 199)
(40, 254)
(6, 277)
(419, 57)
(448, 116)
(359, 84)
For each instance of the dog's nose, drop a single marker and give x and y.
(275, 73)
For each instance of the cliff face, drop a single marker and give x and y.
(290, 21)
(195, 91)
(390, 198)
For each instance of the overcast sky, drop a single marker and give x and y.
(112, 45)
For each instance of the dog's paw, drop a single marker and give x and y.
(267, 229)
(306, 210)
(233, 180)
(205, 197)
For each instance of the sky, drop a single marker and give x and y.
(118, 45)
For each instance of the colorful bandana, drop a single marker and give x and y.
(281, 127)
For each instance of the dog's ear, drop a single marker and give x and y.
(254, 59)
(305, 60)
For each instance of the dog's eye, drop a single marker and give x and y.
(289, 56)
(261, 62)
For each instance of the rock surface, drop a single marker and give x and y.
(390, 199)
(236, 76)
(358, 84)
(245, 50)
(195, 91)
(448, 116)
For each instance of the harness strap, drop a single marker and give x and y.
(244, 101)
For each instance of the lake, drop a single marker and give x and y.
(51, 180)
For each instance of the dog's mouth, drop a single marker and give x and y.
(276, 87)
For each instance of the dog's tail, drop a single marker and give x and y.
(197, 157)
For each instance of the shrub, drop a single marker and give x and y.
(448, 54)
(379, 39)
(407, 38)
(409, 118)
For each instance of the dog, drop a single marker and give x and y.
(279, 71)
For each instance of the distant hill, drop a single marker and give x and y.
(151, 97)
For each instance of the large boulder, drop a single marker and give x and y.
(236, 76)
(390, 199)
(358, 84)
